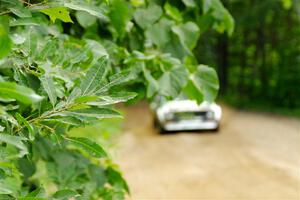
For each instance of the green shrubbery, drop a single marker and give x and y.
(64, 64)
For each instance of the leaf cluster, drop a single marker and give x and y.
(65, 64)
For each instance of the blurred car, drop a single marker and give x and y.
(187, 115)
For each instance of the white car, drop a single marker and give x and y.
(187, 115)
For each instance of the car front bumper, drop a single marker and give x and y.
(190, 125)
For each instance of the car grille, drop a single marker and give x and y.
(191, 115)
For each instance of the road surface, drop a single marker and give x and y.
(252, 157)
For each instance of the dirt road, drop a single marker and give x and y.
(253, 157)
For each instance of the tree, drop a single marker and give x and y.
(64, 64)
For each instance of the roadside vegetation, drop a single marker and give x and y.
(259, 65)
(65, 64)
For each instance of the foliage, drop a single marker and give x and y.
(260, 63)
(69, 71)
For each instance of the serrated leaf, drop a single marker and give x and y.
(84, 99)
(58, 13)
(18, 92)
(18, 8)
(93, 112)
(15, 141)
(65, 194)
(113, 99)
(65, 120)
(49, 87)
(117, 79)
(86, 144)
(93, 77)
(22, 121)
(7, 117)
(91, 9)
(28, 21)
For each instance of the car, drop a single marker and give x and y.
(187, 115)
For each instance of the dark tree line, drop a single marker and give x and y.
(260, 62)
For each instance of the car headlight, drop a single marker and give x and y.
(169, 116)
(210, 115)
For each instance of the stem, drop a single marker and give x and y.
(5, 12)
(41, 117)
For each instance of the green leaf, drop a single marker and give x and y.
(58, 13)
(96, 48)
(29, 21)
(86, 144)
(22, 121)
(84, 99)
(172, 82)
(65, 120)
(189, 3)
(173, 12)
(85, 19)
(287, 4)
(152, 86)
(159, 33)
(137, 3)
(20, 93)
(4, 189)
(31, 42)
(5, 41)
(2, 128)
(117, 79)
(192, 92)
(188, 34)
(65, 194)
(223, 19)
(34, 193)
(15, 141)
(93, 112)
(94, 77)
(49, 87)
(91, 9)
(18, 8)
(119, 16)
(113, 98)
(205, 79)
(146, 17)
(115, 178)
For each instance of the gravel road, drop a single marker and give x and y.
(252, 157)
